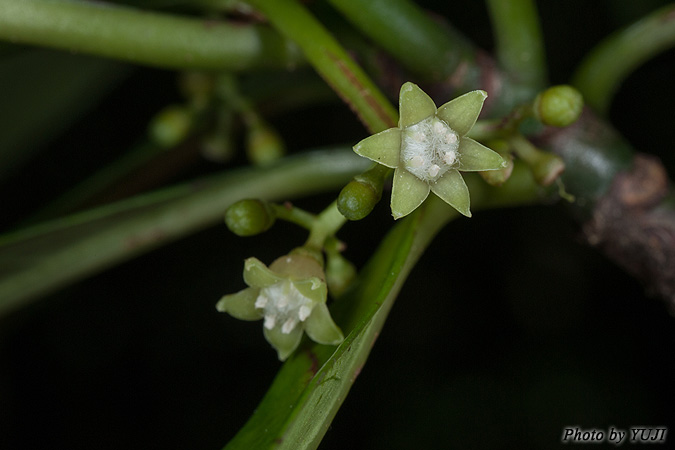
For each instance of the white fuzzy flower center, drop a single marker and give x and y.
(429, 148)
(283, 305)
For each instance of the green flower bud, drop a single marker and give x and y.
(263, 144)
(499, 177)
(170, 126)
(198, 87)
(558, 106)
(340, 273)
(547, 168)
(249, 217)
(218, 147)
(357, 199)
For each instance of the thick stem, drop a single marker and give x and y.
(326, 225)
(331, 61)
(395, 24)
(143, 37)
(600, 74)
(519, 41)
(435, 52)
(624, 201)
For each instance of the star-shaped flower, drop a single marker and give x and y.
(290, 296)
(429, 148)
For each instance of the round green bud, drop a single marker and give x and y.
(170, 126)
(249, 217)
(357, 199)
(500, 176)
(547, 168)
(558, 106)
(198, 87)
(218, 147)
(263, 145)
(340, 273)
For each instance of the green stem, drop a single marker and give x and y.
(312, 384)
(601, 72)
(331, 61)
(326, 225)
(142, 37)
(433, 51)
(45, 257)
(295, 215)
(519, 41)
(396, 25)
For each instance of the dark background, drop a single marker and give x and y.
(137, 357)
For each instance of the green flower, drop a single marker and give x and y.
(429, 148)
(290, 296)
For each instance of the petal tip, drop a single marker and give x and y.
(407, 86)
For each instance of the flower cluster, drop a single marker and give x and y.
(290, 297)
(429, 148)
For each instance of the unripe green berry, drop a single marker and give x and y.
(197, 87)
(218, 147)
(170, 126)
(357, 199)
(263, 144)
(558, 106)
(249, 217)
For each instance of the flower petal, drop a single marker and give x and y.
(414, 105)
(474, 156)
(312, 288)
(284, 343)
(408, 192)
(320, 327)
(241, 305)
(462, 112)
(452, 189)
(256, 274)
(383, 147)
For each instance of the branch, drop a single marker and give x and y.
(331, 61)
(519, 41)
(141, 37)
(600, 74)
(435, 52)
(624, 201)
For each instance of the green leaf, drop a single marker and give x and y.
(48, 256)
(310, 387)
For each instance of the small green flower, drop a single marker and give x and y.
(429, 148)
(290, 296)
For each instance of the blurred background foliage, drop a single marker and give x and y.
(137, 357)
